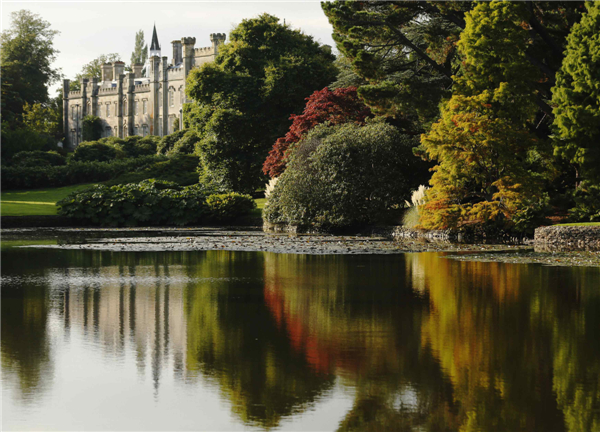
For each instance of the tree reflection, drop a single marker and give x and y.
(233, 339)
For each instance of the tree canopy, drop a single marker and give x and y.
(482, 142)
(242, 102)
(407, 51)
(576, 96)
(335, 107)
(26, 63)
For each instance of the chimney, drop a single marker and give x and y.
(118, 69)
(107, 72)
(137, 70)
(177, 54)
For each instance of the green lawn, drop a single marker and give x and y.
(580, 224)
(39, 202)
(35, 202)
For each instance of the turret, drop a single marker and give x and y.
(217, 39)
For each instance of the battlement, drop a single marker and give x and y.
(109, 90)
(141, 88)
(199, 52)
(75, 94)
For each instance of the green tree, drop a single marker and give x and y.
(576, 97)
(92, 128)
(407, 51)
(482, 143)
(26, 64)
(140, 51)
(242, 102)
(93, 69)
(43, 119)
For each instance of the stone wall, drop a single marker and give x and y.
(584, 237)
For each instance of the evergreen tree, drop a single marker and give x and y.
(576, 97)
(482, 142)
(140, 51)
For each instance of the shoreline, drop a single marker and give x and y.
(245, 239)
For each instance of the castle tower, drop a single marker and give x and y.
(154, 46)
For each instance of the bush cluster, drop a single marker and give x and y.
(343, 176)
(152, 202)
(587, 204)
(180, 169)
(27, 177)
(38, 158)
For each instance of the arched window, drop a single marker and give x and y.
(171, 97)
(116, 131)
(135, 108)
(145, 107)
(125, 130)
(181, 95)
(125, 107)
(160, 99)
(107, 110)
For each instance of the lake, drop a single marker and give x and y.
(222, 340)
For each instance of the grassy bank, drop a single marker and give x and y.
(42, 202)
(36, 202)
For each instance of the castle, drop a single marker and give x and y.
(136, 104)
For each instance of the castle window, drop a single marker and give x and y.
(125, 130)
(99, 110)
(135, 108)
(160, 99)
(171, 98)
(170, 125)
(125, 107)
(144, 130)
(116, 131)
(72, 113)
(181, 95)
(108, 131)
(136, 130)
(107, 110)
(145, 107)
(160, 126)
(116, 109)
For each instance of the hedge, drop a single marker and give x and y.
(152, 202)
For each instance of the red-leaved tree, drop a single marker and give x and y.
(338, 106)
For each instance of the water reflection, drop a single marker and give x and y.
(412, 342)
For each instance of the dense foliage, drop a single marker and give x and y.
(167, 142)
(26, 177)
(26, 61)
(38, 159)
(152, 202)
(345, 175)
(94, 151)
(482, 142)
(576, 97)
(92, 128)
(335, 107)
(242, 102)
(406, 50)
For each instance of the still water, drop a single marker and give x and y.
(223, 340)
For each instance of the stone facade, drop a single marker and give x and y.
(136, 104)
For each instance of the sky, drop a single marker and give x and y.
(91, 28)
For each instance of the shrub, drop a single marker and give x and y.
(180, 169)
(186, 145)
(24, 139)
(226, 207)
(24, 177)
(345, 175)
(136, 146)
(150, 202)
(95, 151)
(91, 128)
(168, 142)
(38, 158)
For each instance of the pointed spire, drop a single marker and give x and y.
(154, 46)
